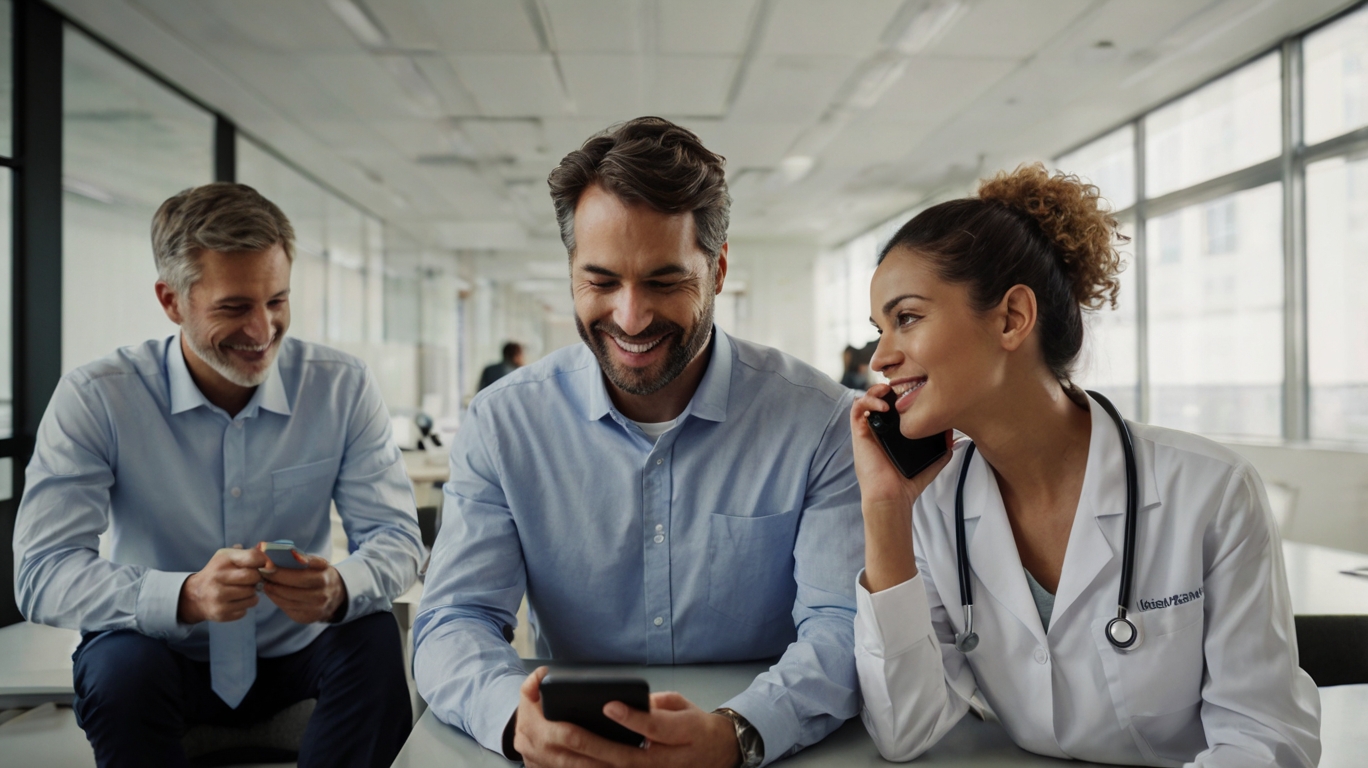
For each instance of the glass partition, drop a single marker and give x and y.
(129, 143)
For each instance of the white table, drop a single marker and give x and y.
(1316, 584)
(972, 742)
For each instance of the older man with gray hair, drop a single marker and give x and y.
(194, 451)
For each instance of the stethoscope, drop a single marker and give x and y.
(1121, 631)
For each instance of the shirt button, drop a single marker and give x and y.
(236, 492)
(1041, 656)
(237, 424)
(660, 461)
(659, 621)
(659, 527)
(659, 539)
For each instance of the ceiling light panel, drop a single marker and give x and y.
(704, 26)
(359, 21)
(481, 26)
(406, 22)
(1012, 29)
(828, 26)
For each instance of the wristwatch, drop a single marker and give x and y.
(747, 737)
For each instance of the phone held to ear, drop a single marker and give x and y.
(281, 553)
(909, 455)
(579, 697)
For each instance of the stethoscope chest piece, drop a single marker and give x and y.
(966, 641)
(1123, 634)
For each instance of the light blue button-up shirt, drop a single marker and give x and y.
(129, 443)
(735, 536)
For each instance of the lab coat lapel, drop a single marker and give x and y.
(1098, 533)
(992, 548)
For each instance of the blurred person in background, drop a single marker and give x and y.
(512, 361)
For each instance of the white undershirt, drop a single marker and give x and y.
(656, 429)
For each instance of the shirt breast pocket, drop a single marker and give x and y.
(305, 489)
(1159, 684)
(750, 566)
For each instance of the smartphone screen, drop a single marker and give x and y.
(579, 697)
(909, 455)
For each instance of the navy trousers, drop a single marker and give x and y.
(135, 696)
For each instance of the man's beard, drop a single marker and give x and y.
(223, 362)
(684, 346)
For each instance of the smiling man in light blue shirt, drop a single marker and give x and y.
(663, 493)
(222, 436)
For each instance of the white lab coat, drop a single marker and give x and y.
(1214, 681)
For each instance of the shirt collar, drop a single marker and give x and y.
(709, 401)
(186, 395)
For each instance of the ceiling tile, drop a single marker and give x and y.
(935, 89)
(482, 26)
(611, 86)
(595, 26)
(828, 26)
(511, 85)
(792, 87)
(704, 26)
(692, 85)
(406, 22)
(747, 144)
(624, 86)
(286, 27)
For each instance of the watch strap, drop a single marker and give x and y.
(747, 738)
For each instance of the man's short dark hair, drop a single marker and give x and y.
(648, 160)
(511, 350)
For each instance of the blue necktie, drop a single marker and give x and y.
(232, 657)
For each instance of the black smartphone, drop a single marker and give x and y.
(578, 697)
(909, 455)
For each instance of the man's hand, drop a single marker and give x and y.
(307, 595)
(224, 589)
(677, 732)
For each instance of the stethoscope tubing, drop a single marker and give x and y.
(1121, 632)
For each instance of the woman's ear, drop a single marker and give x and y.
(1018, 312)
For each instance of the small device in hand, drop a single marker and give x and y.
(281, 553)
(909, 455)
(579, 698)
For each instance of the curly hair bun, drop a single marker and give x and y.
(1070, 214)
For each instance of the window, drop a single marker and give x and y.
(129, 143)
(1222, 231)
(1216, 325)
(1109, 360)
(1230, 124)
(1337, 315)
(1335, 60)
(1108, 162)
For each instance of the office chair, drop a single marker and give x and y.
(1333, 649)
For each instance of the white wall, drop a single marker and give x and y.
(776, 297)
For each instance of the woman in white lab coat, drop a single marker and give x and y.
(979, 307)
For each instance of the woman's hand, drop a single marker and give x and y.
(886, 497)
